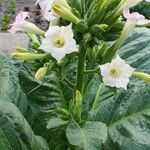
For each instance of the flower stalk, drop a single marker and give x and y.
(80, 72)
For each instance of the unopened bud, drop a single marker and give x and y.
(142, 76)
(28, 56)
(21, 50)
(41, 73)
(65, 13)
(62, 3)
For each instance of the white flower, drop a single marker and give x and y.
(59, 41)
(116, 73)
(47, 12)
(135, 17)
(21, 24)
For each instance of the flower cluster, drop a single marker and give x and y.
(74, 29)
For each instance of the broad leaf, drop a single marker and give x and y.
(15, 132)
(43, 98)
(42, 143)
(10, 90)
(89, 136)
(127, 115)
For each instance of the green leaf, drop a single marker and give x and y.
(41, 141)
(95, 94)
(127, 115)
(43, 98)
(10, 90)
(55, 122)
(89, 136)
(15, 132)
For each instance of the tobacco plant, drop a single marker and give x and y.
(81, 85)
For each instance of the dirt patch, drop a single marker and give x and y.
(25, 5)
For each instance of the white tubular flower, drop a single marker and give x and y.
(116, 73)
(135, 17)
(21, 24)
(47, 12)
(59, 41)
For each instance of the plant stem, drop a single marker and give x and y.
(90, 71)
(80, 72)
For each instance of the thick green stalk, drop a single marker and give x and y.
(80, 72)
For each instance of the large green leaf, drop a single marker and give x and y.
(10, 88)
(15, 132)
(127, 115)
(89, 136)
(41, 141)
(43, 98)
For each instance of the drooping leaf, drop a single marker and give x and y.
(89, 136)
(15, 132)
(42, 143)
(10, 90)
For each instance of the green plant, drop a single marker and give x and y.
(78, 97)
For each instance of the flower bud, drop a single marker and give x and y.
(41, 73)
(78, 105)
(62, 3)
(28, 56)
(21, 50)
(35, 41)
(142, 76)
(65, 13)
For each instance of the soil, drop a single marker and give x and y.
(25, 5)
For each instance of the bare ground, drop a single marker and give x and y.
(26, 5)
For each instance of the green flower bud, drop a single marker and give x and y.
(62, 3)
(142, 76)
(21, 50)
(41, 73)
(28, 56)
(35, 41)
(78, 105)
(65, 13)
